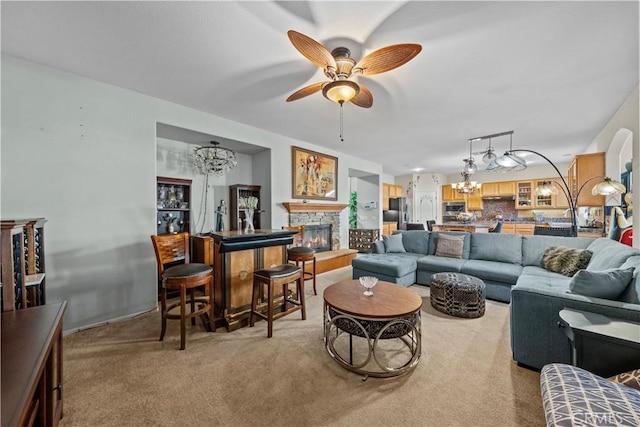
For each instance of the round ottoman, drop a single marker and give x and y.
(457, 294)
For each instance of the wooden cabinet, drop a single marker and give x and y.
(31, 361)
(389, 228)
(524, 195)
(516, 228)
(361, 238)
(173, 213)
(451, 195)
(238, 196)
(560, 199)
(390, 191)
(22, 263)
(582, 168)
(498, 189)
(474, 201)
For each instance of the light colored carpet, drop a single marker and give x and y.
(121, 375)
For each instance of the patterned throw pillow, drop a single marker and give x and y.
(564, 260)
(449, 246)
(631, 379)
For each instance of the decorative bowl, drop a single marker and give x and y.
(368, 282)
(466, 217)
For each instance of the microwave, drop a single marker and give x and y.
(454, 208)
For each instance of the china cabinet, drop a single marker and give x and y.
(240, 197)
(173, 212)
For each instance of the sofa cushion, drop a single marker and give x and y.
(533, 247)
(565, 260)
(433, 241)
(416, 241)
(436, 264)
(394, 265)
(393, 243)
(608, 253)
(632, 293)
(450, 246)
(496, 247)
(492, 270)
(607, 284)
(530, 270)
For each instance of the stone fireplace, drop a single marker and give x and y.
(312, 215)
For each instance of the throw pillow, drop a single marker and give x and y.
(449, 245)
(564, 260)
(393, 243)
(607, 284)
(631, 379)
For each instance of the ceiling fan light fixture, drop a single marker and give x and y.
(341, 91)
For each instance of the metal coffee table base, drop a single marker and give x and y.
(406, 329)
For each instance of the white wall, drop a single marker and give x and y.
(83, 154)
(368, 189)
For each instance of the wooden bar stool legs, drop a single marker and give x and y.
(301, 254)
(281, 275)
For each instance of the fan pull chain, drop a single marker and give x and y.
(341, 133)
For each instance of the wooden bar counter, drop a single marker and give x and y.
(235, 255)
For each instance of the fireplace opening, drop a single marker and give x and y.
(317, 237)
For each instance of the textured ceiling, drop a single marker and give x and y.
(554, 72)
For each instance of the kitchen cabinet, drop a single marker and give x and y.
(451, 195)
(474, 201)
(527, 199)
(517, 228)
(390, 191)
(498, 189)
(389, 228)
(524, 195)
(582, 168)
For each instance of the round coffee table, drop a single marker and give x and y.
(391, 313)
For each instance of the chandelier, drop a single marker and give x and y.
(214, 159)
(466, 186)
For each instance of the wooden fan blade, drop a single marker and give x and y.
(387, 58)
(306, 91)
(364, 98)
(312, 50)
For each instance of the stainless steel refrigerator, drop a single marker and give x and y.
(397, 212)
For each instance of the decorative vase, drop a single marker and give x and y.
(629, 165)
(249, 221)
(170, 227)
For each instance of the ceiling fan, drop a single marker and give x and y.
(342, 70)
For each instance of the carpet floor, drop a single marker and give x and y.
(121, 375)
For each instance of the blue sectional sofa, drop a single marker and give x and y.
(511, 267)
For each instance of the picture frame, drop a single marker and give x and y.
(313, 175)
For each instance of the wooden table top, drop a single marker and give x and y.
(388, 300)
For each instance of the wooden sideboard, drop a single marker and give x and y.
(32, 366)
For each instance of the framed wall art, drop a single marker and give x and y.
(314, 175)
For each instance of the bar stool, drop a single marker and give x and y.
(280, 275)
(186, 277)
(302, 254)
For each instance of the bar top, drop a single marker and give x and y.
(259, 234)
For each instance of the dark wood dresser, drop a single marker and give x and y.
(32, 366)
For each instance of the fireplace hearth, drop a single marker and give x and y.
(317, 237)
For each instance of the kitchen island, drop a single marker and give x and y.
(234, 256)
(472, 227)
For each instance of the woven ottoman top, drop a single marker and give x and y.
(457, 279)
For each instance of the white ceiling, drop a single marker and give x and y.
(554, 72)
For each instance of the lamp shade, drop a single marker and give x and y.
(546, 188)
(341, 91)
(608, 187)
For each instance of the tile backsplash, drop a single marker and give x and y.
(504, 207)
